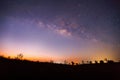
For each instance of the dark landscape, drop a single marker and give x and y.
(24, 69)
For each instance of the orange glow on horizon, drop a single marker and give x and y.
(76, 58)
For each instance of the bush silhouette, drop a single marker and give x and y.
(110, 61)
(101, 61)
(51, 61)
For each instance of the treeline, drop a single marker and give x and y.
(20, 56)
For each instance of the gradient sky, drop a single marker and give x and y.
(59, 30)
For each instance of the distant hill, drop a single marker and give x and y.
(24, 69)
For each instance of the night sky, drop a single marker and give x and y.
(59, 30)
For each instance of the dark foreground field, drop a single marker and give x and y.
(22, 69)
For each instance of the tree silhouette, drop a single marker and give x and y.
(51, 61)
(106, 59)
(96, 62)
(77, 63)
(9, 57)
(119, 60)
(87, 62)
(82, 62)
(19, 56)
(65, 62)
(90, 62)
(72, 63)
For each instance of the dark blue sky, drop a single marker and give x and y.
(60, 29)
